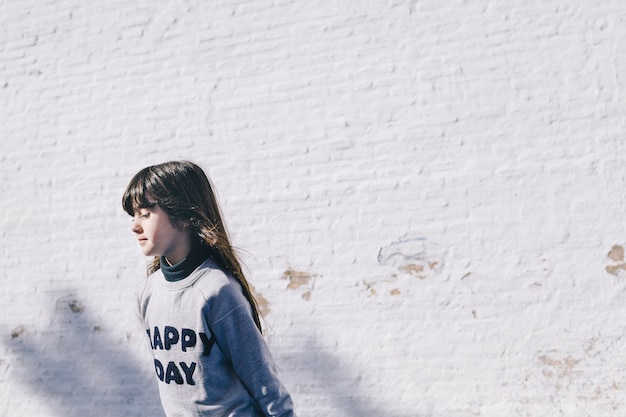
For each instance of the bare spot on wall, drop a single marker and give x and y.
(300, 280)
(409, 257)
(413, 269)
(573, 373)
(390, 288)
(616, 255)
(560, 368)
(420, 271)
(296, 278)
(369, 288)
(413, 256)
(262, 303)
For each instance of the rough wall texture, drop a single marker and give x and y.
(431, 194)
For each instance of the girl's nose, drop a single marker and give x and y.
(135, 227)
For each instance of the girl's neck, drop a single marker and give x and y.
(180, 251)
(186, 266)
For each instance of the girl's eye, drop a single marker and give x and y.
(140, 215)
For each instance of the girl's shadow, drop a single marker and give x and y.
(75, 368)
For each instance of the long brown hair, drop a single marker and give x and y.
(185, 193)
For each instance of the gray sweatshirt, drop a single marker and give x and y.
(209, 357)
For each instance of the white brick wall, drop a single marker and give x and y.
(431, 195)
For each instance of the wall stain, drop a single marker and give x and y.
(561, 368)
(572, 373)
(414, 256)
(420, 271)
(17, 332)
(75, 306)
(409, 257)
(300, 280)
(262, 303)
(616, 254)
(296, 278)
(369, 287)
(386, 285)
(413, 269)
(70, 301)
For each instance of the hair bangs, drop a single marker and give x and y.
(137, 195)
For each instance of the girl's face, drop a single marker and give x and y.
(158, 237)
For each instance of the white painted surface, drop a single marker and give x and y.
(443, 182)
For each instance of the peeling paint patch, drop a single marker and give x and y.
(413, 269)
(413, 256)
(369, 288)
(616, 255)
(418, 270)
(296, 278)
(404, 260)
(573, 374)
(300, 280)
(387, 285)
(560, 368)
(262, 303)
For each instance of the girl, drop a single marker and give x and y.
(197, 308)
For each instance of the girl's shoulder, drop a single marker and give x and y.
(213, 281)
(148, 282)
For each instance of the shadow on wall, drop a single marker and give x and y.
(326, 375)
(341, 387)
(74, 368)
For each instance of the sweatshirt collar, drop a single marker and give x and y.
(184, 268)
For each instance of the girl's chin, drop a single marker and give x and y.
(148, 251)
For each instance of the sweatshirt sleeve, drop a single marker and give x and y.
(238, 337)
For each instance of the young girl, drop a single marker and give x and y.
(199, 314)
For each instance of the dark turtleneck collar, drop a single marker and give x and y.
(185, 267)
